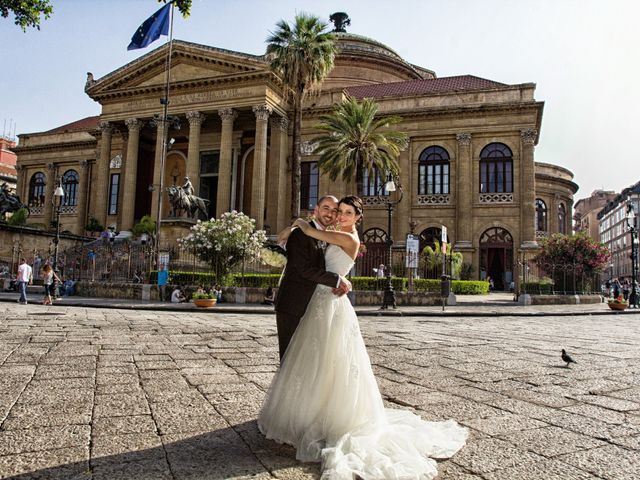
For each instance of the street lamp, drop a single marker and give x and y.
(389, 298)
(58, 199)
(631, 223)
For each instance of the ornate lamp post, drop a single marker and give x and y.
(631, 223)
(58, 200)
(389, 298)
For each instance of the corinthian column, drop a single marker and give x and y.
(527, 190)
(223, 201)
(102, 190)
(195, 125)
(130, 174)
(262, 113)
(161, 137)
(464, 191)
(81, 219)
(48, 194)
(278, 169)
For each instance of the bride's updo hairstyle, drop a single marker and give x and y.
(356, 203)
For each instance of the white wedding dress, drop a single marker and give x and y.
(325, 401)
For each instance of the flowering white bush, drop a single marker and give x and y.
(225, 242)
(273, 256)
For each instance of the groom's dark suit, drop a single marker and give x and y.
(305, 269)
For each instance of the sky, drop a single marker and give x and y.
(581, 54)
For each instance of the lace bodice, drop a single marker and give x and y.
(337, 260)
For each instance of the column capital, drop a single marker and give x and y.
(528, 136)
(464, 139)
(133, 124)
(51, 166)
(262, 112)
(19, 168)
(195, 119)
(106, 127)
(227, 114)
(282, 123)
(84, 164)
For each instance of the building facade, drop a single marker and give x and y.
(586, 212)
(470, 164)
(8, 160)
(615, 232)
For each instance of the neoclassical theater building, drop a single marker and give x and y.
(470, 164)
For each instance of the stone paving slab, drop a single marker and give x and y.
(95, 394)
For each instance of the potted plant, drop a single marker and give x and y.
(204, 300)
(618, 303)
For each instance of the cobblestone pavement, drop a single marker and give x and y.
(125, 394)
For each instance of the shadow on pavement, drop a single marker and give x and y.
(240, 451)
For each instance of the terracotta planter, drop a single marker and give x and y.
(618, 306)
(204, 302)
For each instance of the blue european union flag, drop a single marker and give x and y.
(154, 26)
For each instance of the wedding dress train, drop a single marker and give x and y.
(325, 401)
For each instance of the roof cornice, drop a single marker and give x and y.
(56, 147)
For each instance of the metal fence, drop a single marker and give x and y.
(131, 261)
(558, 279)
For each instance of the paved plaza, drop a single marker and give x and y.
(89, 393)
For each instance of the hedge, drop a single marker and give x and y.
(470, 287)
(540, 288)
(265, 280)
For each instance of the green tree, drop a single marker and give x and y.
(433, 259)
(355, 140)
(19, 217)
(27, 13)
(302, 54)
(93, 225)
(145, 225)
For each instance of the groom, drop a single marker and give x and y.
(305, 269)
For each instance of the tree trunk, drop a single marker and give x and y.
(295, 157)
(359, 178)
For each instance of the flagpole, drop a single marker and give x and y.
(165, 132)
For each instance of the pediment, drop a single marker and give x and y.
(189, 62)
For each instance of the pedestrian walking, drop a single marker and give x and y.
(24, 278)
(49, 278)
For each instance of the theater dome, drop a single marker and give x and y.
(364, 61)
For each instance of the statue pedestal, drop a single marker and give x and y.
(171, 229)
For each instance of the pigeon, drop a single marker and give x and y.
(567, 358)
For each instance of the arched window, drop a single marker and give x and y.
(429, 237)
(70, 181)
(433, 171)
(541, 215)
(562, 219)
(373, 185)
(496, 169)
(37, 186)
(374, 235)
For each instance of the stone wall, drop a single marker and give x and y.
(237, 294)
(16, 242)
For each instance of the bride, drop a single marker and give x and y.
(325, 400)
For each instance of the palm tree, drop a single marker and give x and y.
(302, 54)
(356, 141)
(433, 259)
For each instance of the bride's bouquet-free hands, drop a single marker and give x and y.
(273, 255)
